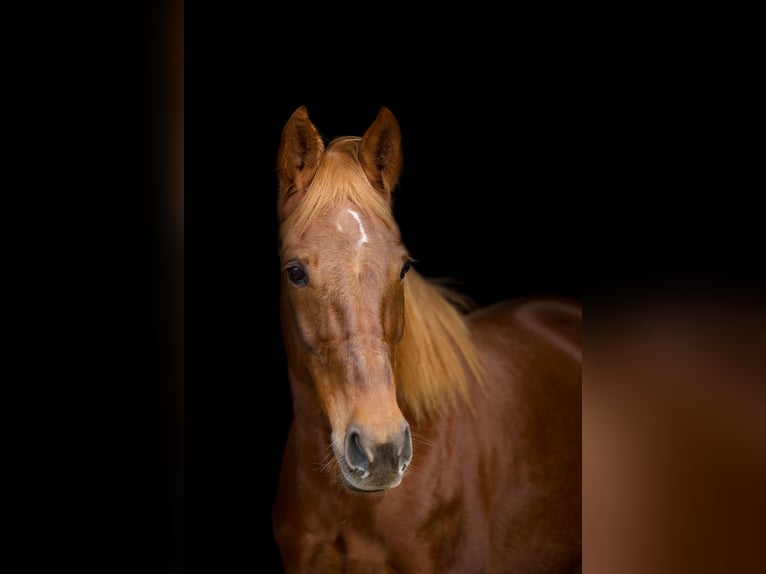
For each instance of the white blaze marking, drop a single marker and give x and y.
(363, 238)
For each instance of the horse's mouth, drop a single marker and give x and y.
(368, 483)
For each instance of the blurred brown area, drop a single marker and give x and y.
(674, 435)
(167, 79)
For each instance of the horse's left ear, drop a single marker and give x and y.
(380, 152)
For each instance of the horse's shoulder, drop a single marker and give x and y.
(547, 310)
(554, 320)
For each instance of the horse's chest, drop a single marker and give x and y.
(401, 538)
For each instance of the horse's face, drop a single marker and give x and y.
(344, 283)
(343, 302)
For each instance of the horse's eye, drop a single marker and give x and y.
(405, 268)
(297, 275)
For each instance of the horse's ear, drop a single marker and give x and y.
(300, 150)
(380, 151)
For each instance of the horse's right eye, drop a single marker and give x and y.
(405, 268)
(297, 275)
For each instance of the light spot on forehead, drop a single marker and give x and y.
(362, 233)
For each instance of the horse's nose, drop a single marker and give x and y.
(366, 456)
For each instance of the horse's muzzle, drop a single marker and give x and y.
(372, 466)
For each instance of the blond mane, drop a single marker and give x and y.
(436, 355)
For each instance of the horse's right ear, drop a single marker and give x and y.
(299, 153)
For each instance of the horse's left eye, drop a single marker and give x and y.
(297, 275)
(405, 268)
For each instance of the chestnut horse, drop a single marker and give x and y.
(428, 436)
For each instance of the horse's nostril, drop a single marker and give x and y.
(406, 453)
(355, 455)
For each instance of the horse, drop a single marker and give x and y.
(429, 434)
